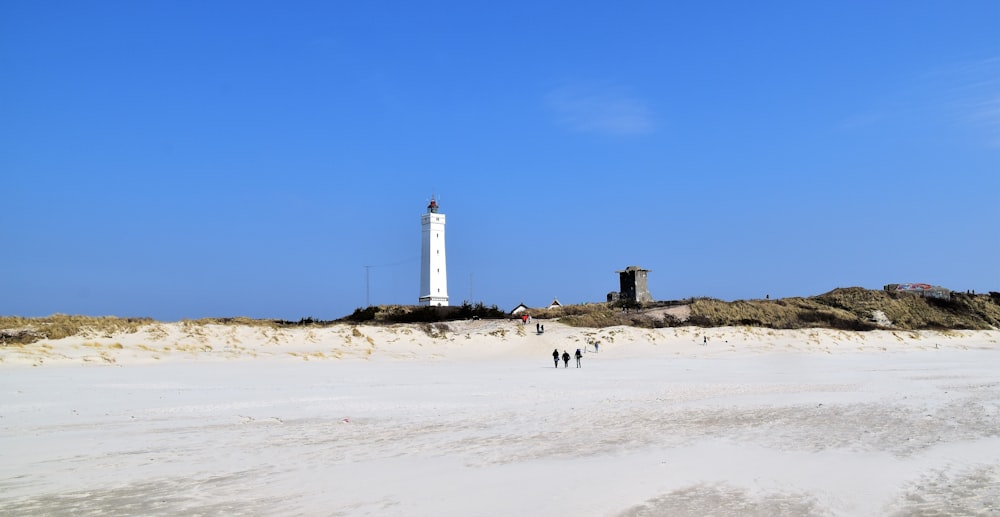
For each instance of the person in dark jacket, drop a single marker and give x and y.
(555, 357)
(579, 355)
(565, 359)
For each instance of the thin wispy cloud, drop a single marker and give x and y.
(977, 92)
(602, 110)
(965, 94)
(973, 94)
(986, 113)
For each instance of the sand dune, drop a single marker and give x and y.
(482, 339)
(472, 419)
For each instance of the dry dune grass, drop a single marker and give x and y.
(240, 321)
(19, 330)
(787, 313)
(16, 330)
(58, 326)
(852, 308)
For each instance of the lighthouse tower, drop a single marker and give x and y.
(433, 272)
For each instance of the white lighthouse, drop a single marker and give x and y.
(433, 270)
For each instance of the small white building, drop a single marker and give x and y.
(521, 307)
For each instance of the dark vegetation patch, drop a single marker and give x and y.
(389, 314)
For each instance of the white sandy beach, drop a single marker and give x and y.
(185, 419)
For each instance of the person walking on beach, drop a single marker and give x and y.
(555, 357)
(596, 344)
(579, 355)
(565, 360)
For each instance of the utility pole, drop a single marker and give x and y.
(367, 302)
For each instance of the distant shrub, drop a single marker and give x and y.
(424, 314)
(702, 320)
(479, 311)
(389, 314)
(363, 314)
(308, 321)
(669, 320)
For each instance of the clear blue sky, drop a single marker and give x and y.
(193, 159)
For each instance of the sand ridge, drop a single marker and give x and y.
(182, 341)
